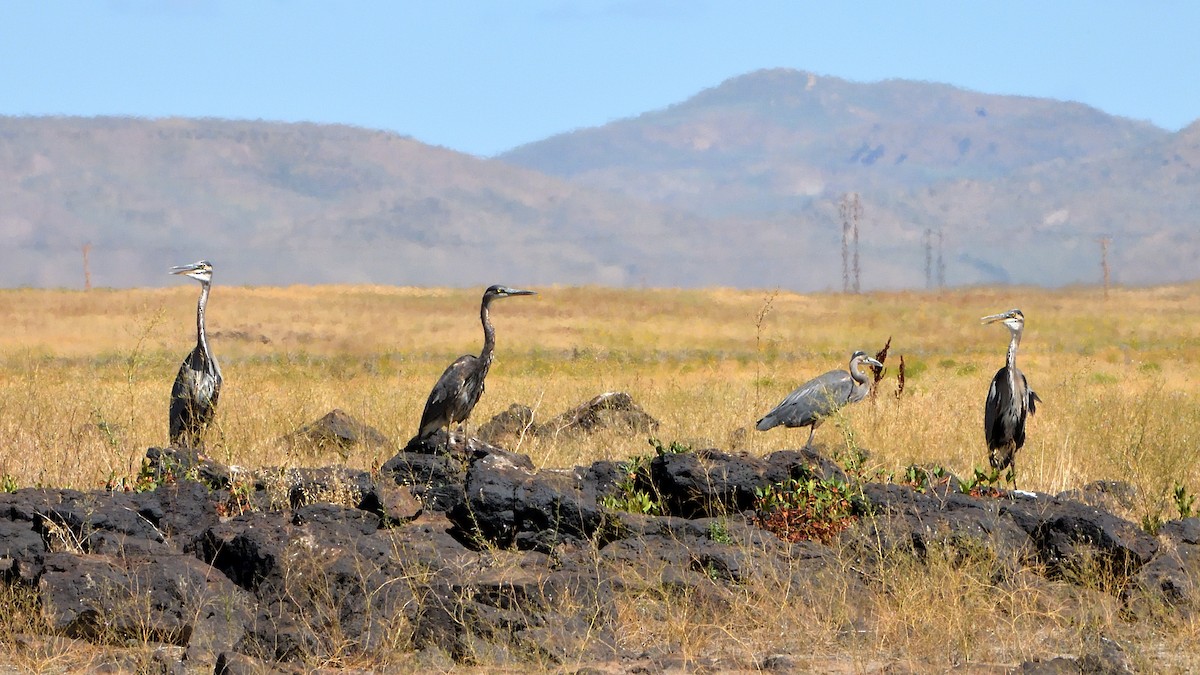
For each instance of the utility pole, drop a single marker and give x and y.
(87, 271)
(941, 263)
(927, 240)
(851, 212)
(1104, 242)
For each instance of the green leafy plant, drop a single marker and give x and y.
(923, 478)
(1184, 501)
(807, 508)
(632, 494)
(675, 447)
(8, 483)
(981, 483)
(718, 531)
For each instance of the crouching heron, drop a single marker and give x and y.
(822, 396)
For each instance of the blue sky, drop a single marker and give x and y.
(482, 77)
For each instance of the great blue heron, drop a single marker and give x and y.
(460, 386)
(1009, 400)
(821, 396)
(198, 384)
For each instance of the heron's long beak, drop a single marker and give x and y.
(184, 269)
(518, 291)
(873, 362)
(994, 318)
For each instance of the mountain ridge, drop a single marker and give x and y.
(738, 186)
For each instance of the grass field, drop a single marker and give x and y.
(85, 377)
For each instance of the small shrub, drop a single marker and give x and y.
(632, 495)
(1184, 501)
(807, 508)
(718, 531)
(981, 483)
(674, 448)
(922, 478)
(241, 498)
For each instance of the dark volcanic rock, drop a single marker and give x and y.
(511, 423)
(1173, 576)
(164, 521)
(614, 409)
(167, 465)
(1108, 495)
(337, 431)
(1183, 531)
(22, 550)
(707, 483)
(903, 518)
(1069, 534)
(463, 549)
(321, 578)
(435, 468)
(508, 504)
(164, 598)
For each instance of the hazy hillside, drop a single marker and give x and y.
(777, 138)
(736, 186)
(279, 203)
(1019, 187)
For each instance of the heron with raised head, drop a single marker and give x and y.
(460, 386)
(198, 384)
(822, 396)
(1009, 401)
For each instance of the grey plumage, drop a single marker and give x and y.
(821, 396)
(198, 384)
(460, 386)
(1009, 399)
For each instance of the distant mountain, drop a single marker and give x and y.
(274, 203)
(777, 138)
(1019, 187)
(739, 185)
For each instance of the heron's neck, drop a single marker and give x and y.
(201, 336)
(1012, 349)
(856, 372)
(489, 333)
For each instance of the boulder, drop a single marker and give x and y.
(511, 423)
(902, 518)
(337, 432)
(1070, 536)
(509, 504)
(611, 410)
(708, 483)
(169, 598)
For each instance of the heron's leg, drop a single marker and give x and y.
(811, 431)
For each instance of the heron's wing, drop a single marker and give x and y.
(1034, 399)
(449, 387)
(812, 400)
(216, 389)
(194, 394)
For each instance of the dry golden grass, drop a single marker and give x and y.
(85, 376)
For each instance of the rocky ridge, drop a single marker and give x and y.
(464, 552)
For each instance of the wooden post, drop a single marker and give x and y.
(87, 271)
(851, 212)
(1104, 242)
